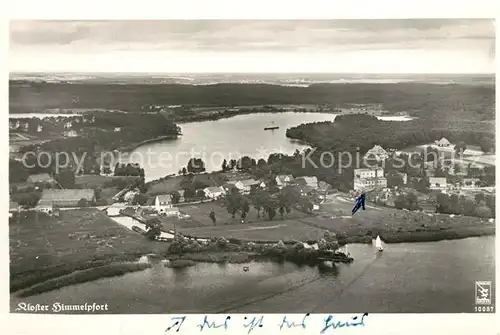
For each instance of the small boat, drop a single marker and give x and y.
(271, 128)
(378, 244)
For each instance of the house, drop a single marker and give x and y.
(443, 142)
(245, 186)
(71, 133)
(39, 129)
(45, 207)
(214, 192)
(68, 125)
(369, 179)
(65, 198)
(40, 178)
(378, 153)
(118, 129)
(163, 202)
(283, 180)
(472, 152)
(437, 183)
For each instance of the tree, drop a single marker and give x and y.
(189, 192)
(212, 216)
(479, 198)
(233, 202)
(282, 211)
(246, 163)
(154, 228)
(245, 207)
(196, 165)
(200, 194)
(259, 199)
(184, 171)
(140, 199)
(176, 197)
(224, 165)
(486, 144)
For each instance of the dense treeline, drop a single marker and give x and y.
(348, 133)
(419, 99)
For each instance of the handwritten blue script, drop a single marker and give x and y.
(212, 324)
(177, 321)
(256, 322)
(292, 324)
(354, 322)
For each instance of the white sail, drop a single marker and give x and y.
(378, 243)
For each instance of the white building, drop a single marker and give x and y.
(39, 129)
(71, 133)
(163, 203)
(369, 179)
(443, 142)
(245, 186)
(214, 192)
(378, 153)
(437, 183)
(118, 129)
(45, 207)
(283, 180)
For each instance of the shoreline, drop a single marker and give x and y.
(134, 146)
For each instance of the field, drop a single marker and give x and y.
(50, 247)
(391, 224)
(199, 215)
(93, 180)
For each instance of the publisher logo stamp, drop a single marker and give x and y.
(483, 293)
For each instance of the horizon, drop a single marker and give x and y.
(381, 46)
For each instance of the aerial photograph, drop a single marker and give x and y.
(252, 166)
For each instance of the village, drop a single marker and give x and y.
(187, 202)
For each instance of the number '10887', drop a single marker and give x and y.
(484, 309)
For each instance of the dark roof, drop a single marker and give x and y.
(65, 197)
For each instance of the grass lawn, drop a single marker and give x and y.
(93, 181)
(275, 230)
(199, 215)
(78, 239)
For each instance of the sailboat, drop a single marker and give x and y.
(378, 244)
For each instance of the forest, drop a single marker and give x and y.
(471, 102)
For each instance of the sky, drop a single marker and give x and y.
(258, 46)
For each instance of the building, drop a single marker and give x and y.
(39, 129)
(163, 203)
(378, 153)
(45, 207)
(40, 178)
(472, 152)
(130, 195)
(437, 183)
(118, 129)
(65, 198)
(245, 186)
(443, 142)
(71, 133)
(214, 192)
(369, 179)
(283, 180)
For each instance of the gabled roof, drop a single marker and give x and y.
(443, 141)
(215, 189)
(40, 178)
(164, 198)
(249, 182)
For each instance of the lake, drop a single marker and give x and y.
(229, 138)
(434, 277)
